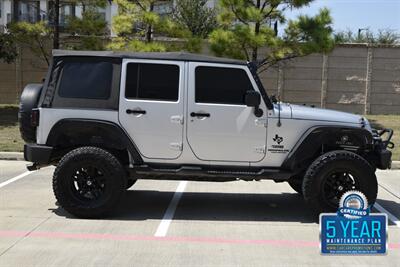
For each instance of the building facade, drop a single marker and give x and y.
(34, 11)
(42, 10)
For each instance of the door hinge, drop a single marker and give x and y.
(261, 122)
(177, 119)
(260, 150)
(176, 146)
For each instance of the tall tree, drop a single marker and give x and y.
(195, 16)
(91, 29)
(137, 23)
(8, 51)
(248, 25)
(54, 14)
(32, 35)
(39, 36)
(56, 25)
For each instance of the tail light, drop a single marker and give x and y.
(35, 117)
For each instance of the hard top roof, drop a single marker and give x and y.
(179, 56)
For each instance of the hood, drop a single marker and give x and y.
(318, 114)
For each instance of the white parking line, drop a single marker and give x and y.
(16, 178)
(391, 217)
(169, 214)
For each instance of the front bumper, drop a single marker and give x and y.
(383, 156)
(38, 154)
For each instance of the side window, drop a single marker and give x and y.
(152, 81)
(91, 80)
(221, 85)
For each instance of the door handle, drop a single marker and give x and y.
(194, 114)
(135, 111)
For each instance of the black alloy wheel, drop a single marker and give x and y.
(89, 182)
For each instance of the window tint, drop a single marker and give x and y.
(221, 85)
(152, 81)
(86, 80)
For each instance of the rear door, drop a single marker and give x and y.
(151, 106)
(220, 126)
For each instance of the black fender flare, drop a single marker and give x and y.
(314, 138)
(82, 132)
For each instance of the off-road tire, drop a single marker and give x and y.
(338, 160)
(112, 174)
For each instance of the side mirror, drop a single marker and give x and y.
(274, 99)
(253, 99)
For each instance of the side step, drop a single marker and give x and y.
(207, 173)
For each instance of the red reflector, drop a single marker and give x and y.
(35, 118)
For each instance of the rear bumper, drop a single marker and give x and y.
(38, 154)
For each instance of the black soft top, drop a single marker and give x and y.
(179, 56)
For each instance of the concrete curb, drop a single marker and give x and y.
(396, 165)
(11, 156)
(20, 156)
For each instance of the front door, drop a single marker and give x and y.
(151, 106)
(220, 126)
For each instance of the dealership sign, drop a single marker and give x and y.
(352, 230)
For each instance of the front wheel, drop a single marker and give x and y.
(333, 174)
(88, 182)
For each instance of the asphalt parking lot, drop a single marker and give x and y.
(173, 223)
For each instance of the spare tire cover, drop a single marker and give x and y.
(29, 100)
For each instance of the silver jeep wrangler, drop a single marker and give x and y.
(106, 119)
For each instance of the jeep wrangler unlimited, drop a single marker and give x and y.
(106, 119)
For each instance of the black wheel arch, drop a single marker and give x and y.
(321, 139)
(68, 134)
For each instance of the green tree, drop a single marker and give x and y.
(32, 35)
(8, 51)
(195, 16)
(137, 23)
(91, 29)
(55, 14)
(366, 36)
(38, 36)
(248, 25)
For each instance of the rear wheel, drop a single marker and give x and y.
(88, 182)
(333, 174)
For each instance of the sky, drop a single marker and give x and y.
(357, 14)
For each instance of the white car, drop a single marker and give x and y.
(106, 119)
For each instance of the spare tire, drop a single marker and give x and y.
(29, 100)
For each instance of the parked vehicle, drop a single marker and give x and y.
(107, 119)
